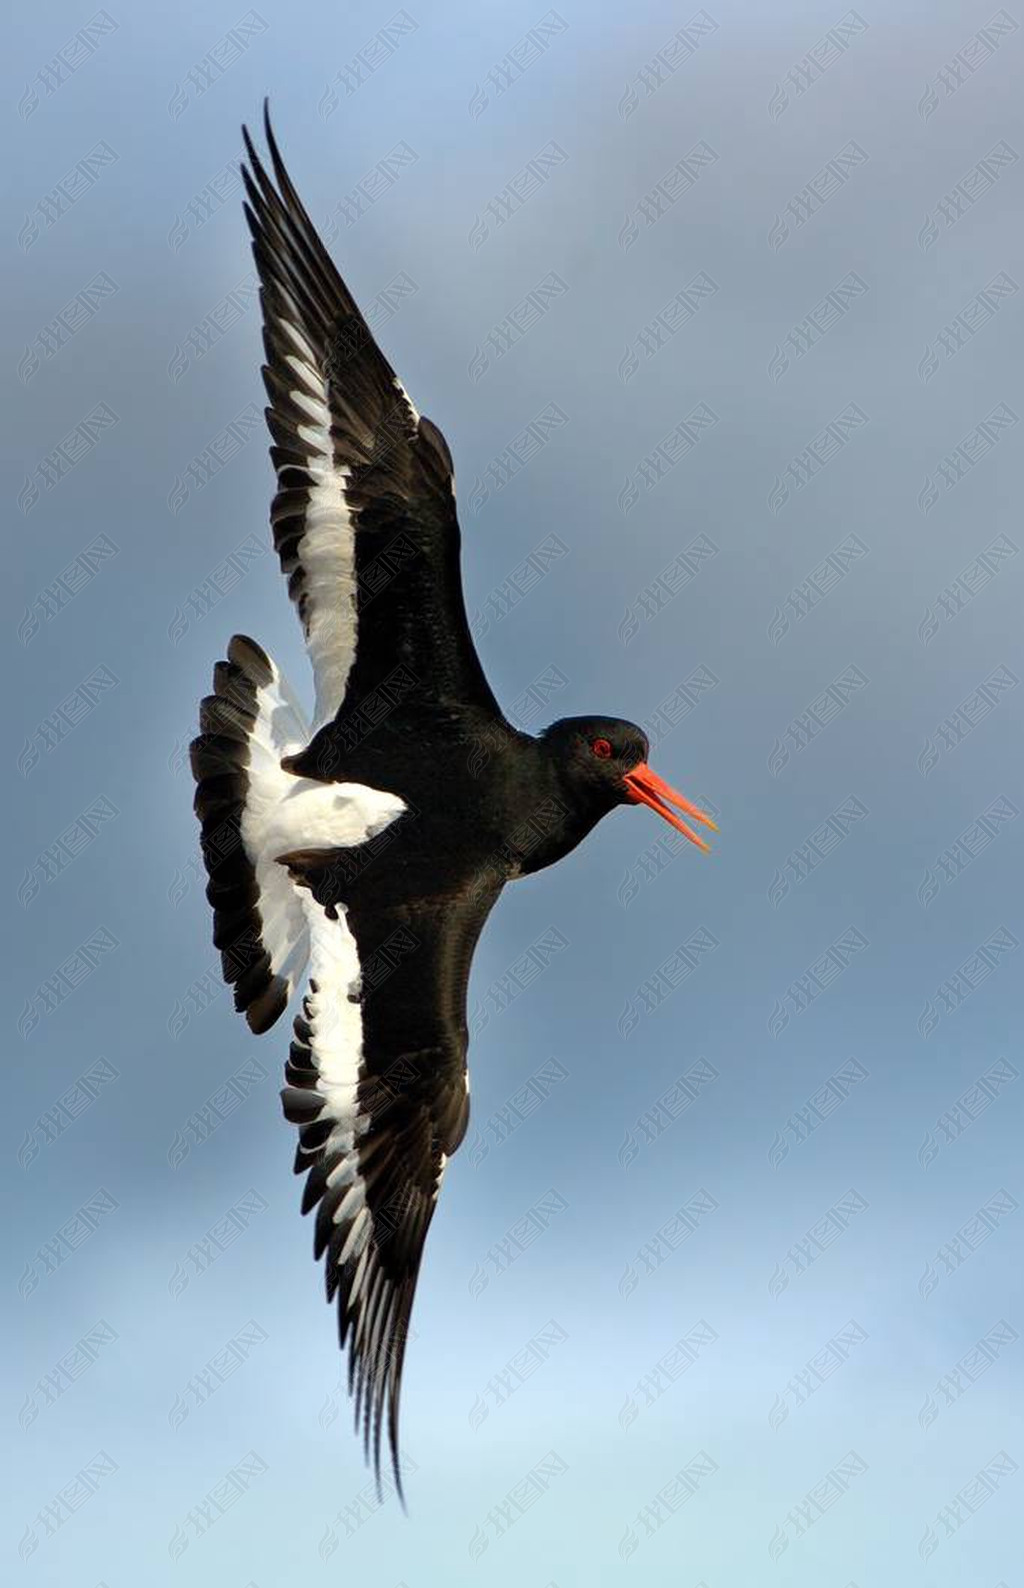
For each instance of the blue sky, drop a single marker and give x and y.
(718, 314)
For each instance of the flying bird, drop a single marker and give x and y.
(360, 853)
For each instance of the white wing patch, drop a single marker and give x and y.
(280, 729)
(283, 812)
(327, 547)
(409, 402)
(328, 558)
(333, 815)
(336, 1027)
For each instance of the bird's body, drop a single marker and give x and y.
(491, 800)
(361, 855)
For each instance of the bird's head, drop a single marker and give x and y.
(604, 762)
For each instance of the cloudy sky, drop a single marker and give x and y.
(719, 313)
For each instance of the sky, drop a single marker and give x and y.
(719, 312)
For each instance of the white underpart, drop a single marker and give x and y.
(342, 814)
(358, 1235)
(281, 729)
(327, 551)
(335, 1021)
(284, 812)
(304, 349)
(327, 548)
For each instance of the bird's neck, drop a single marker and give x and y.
(557, 816)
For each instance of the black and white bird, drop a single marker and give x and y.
(359, 855)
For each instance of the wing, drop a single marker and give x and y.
(377, 1086)
(364, 516)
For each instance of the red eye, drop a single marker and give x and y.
(602, 747)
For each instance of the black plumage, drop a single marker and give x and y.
(376, 843)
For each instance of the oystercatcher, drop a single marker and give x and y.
(371, 845)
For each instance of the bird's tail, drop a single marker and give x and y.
(247, 725)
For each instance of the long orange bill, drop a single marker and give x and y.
(647, 788)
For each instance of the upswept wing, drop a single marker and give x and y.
(364, 516)
(377, 1086)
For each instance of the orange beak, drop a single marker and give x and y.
(647, 788)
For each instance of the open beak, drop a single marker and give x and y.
(647, 788)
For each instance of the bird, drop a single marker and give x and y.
(358, 854)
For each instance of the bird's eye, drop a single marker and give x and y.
(602, 748)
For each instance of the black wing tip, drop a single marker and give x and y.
(393, 1443)
(399, 1491)
(373, 1404)
(254, 178)
(246, 137)
(276, 160)
(275, 153)
(258, 169)
(374, 1462)
(396, 1466)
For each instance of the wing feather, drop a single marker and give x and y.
(378, 1113)
(364, 510)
